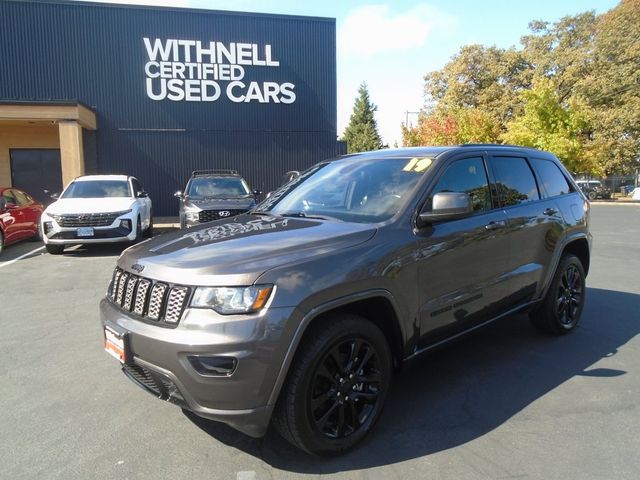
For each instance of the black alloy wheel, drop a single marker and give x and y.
(569, 296)
(336, 386)
(560, 310)
(345, 390)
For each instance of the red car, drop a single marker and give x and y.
(19, 216)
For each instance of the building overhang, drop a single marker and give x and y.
(54, 112)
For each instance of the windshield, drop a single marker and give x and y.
(218, 187)
(98, 189)
(354, 190)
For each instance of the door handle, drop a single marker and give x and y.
(550, 211)
(495, 225)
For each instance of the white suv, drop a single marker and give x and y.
(97, 209)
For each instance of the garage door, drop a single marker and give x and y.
(36, 171)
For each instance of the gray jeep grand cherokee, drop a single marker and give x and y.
(300, 311)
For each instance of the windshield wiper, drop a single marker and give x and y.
(301, 214)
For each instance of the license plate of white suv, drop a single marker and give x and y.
(85, 232)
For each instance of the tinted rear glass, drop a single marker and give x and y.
(553, 180)
(515, 182)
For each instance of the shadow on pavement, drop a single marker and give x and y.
(463, 392)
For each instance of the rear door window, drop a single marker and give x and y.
(515, 183)
(553, 180)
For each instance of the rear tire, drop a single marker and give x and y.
(54, 249)
(560, 310)
(1, 242)
(336, 386)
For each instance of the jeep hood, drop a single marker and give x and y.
(237, 251)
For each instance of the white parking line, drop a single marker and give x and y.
(21, 257)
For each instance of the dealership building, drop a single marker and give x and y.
(159, 92)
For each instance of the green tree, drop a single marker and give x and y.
(547, 124)
(489, 78)
(362, 134)
(613, 90)
(583, 75)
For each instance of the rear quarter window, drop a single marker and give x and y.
(553, 180)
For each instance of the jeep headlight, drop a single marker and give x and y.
(230, 300)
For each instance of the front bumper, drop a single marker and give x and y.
(159, 361)
(55, 234)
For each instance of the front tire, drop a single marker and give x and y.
(560, 310)
(138, 237)
(148, 233)
(54, 249)
(336, 387)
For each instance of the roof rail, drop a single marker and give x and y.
(202, 173)
(489, 145)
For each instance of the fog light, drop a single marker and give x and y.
(48, 227)
(125, 224)
(213, 366)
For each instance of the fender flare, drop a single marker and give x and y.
(556, 260)
(314, 313)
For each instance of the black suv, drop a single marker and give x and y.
(214, 194)
(594, 189)
(300, 311)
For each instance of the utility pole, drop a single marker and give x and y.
(406, 117)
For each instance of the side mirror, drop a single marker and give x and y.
(257, 192)
(178, 194)
(447, 206)
(142, 195)
(55, 196)
(10, 206)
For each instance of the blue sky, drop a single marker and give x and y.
(392, 44)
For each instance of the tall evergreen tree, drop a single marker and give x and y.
(362, 134)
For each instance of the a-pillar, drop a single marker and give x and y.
(71, 150)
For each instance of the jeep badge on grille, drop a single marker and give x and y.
(136, 267)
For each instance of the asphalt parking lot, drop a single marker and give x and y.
(504, 403)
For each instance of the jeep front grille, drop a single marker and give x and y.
(155, 301)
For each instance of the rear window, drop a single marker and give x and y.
(553, 180)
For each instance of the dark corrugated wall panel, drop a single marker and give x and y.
(263, 158)
(95, 54)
